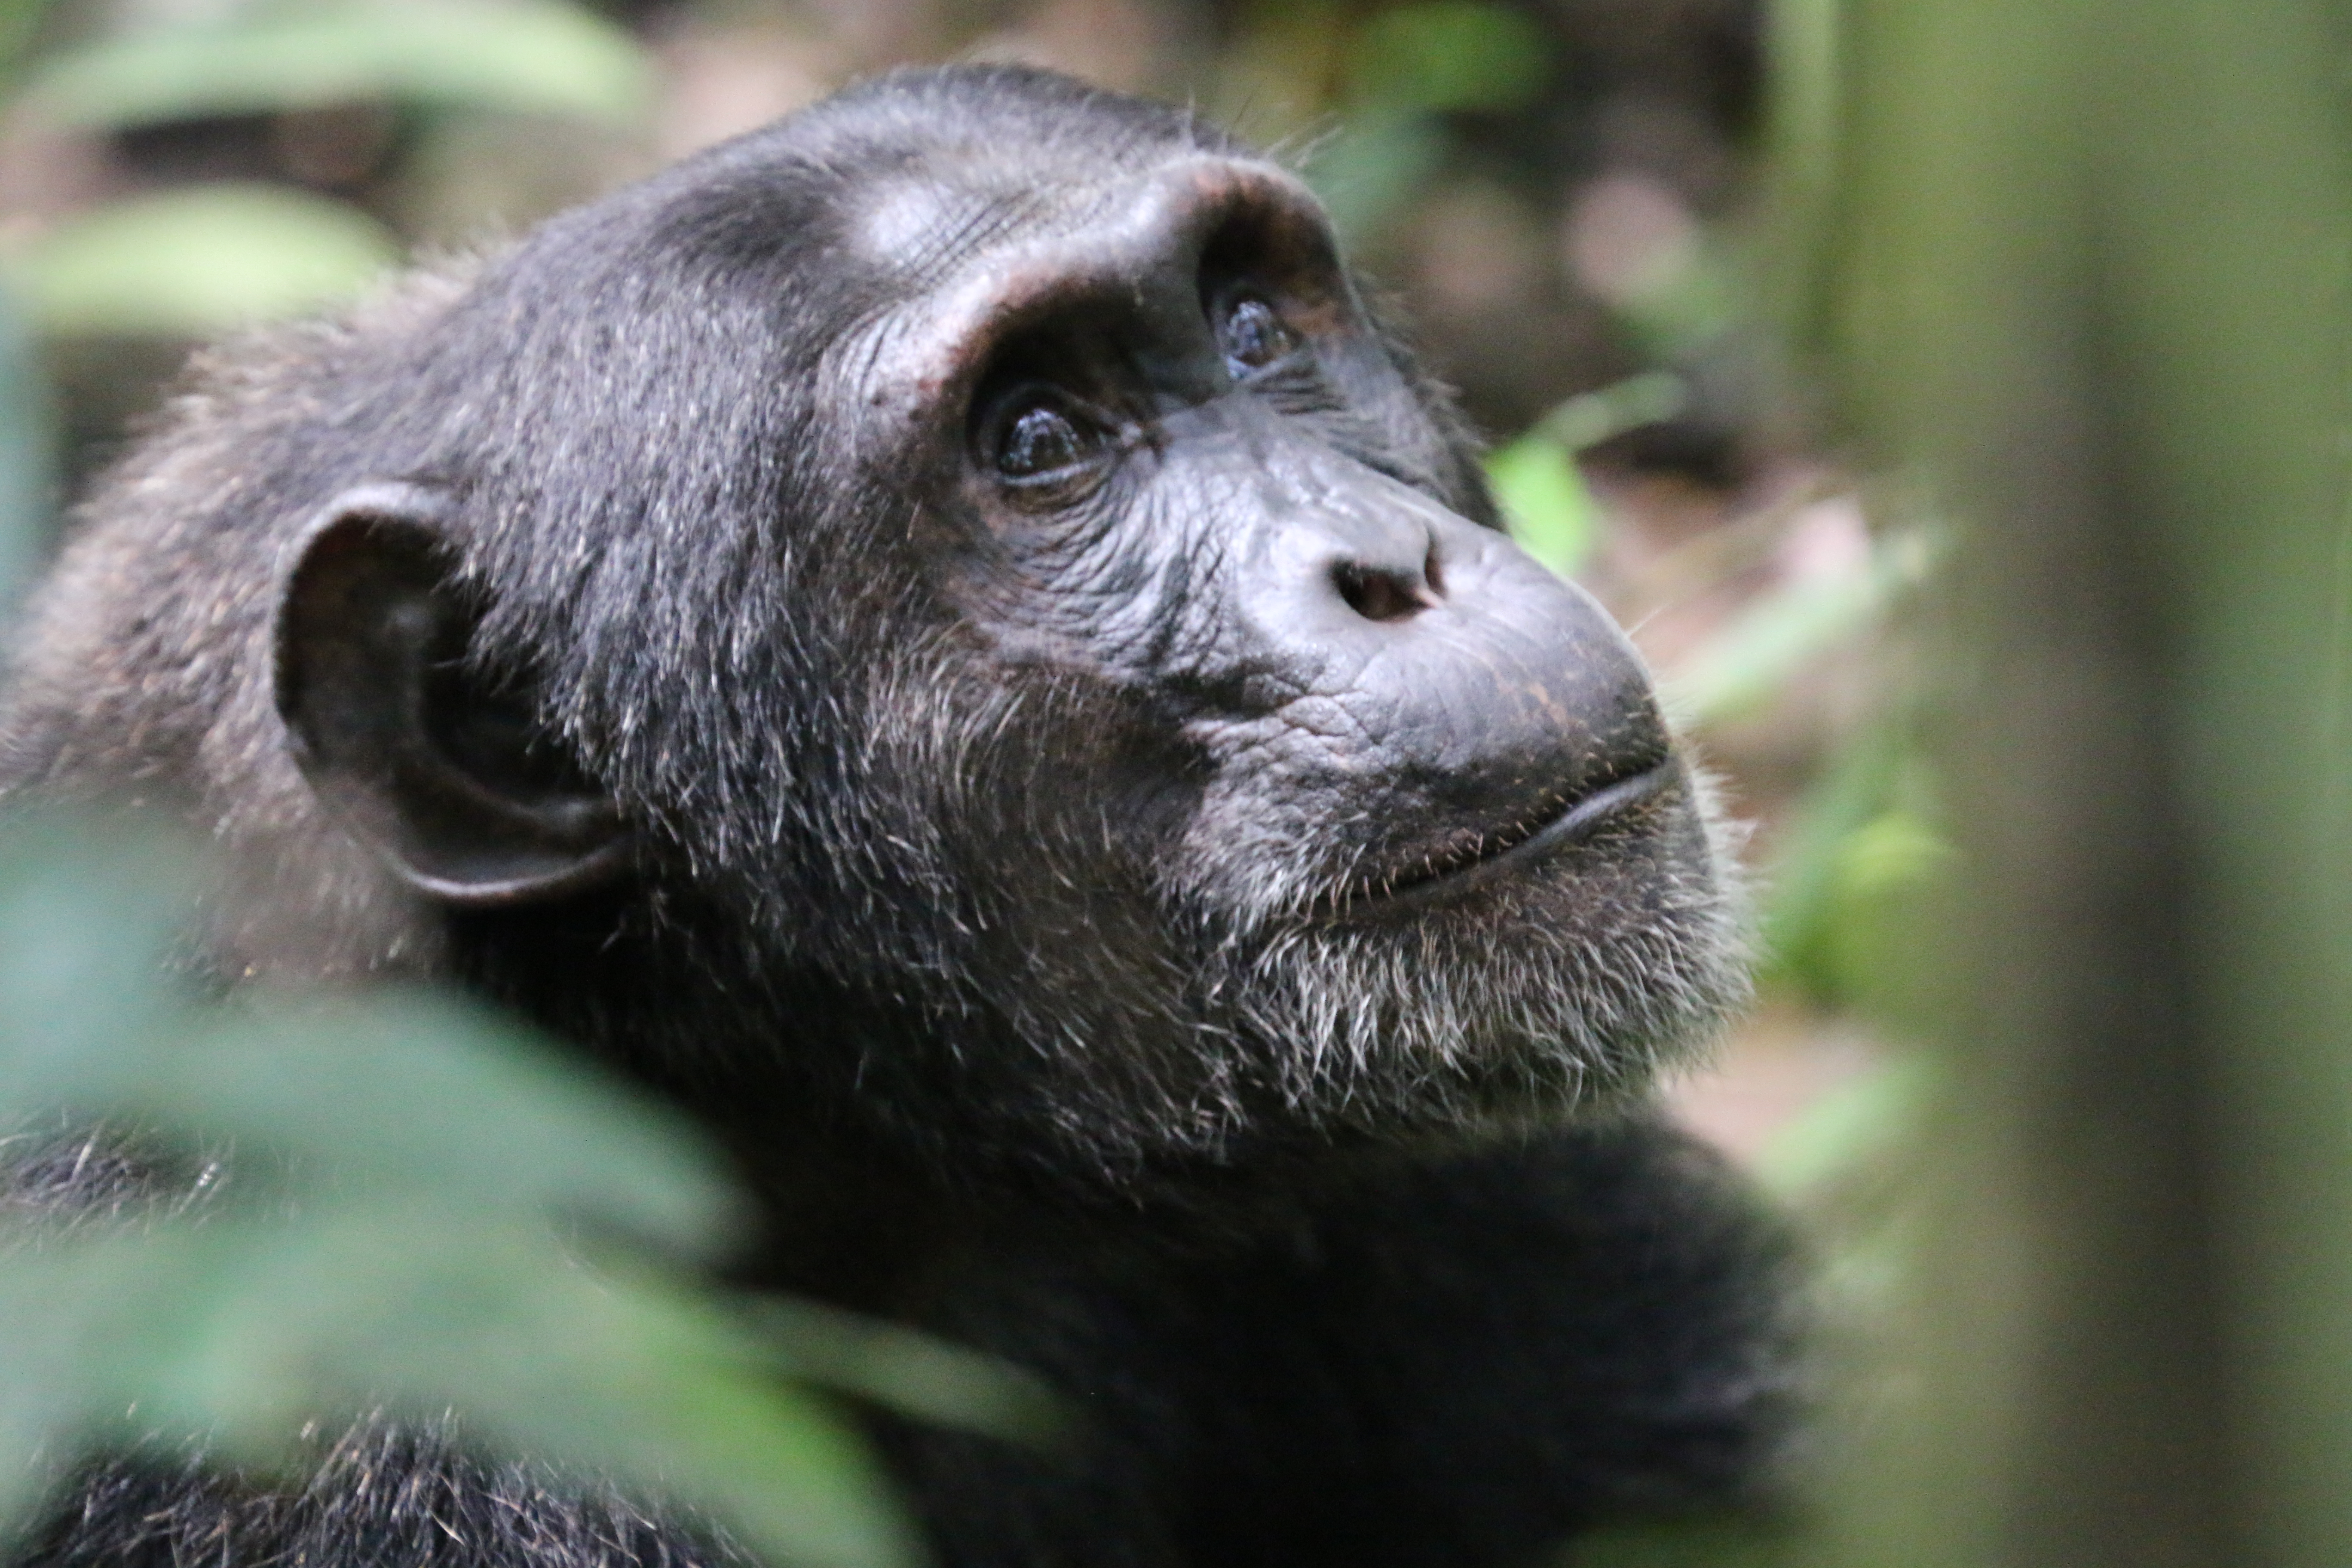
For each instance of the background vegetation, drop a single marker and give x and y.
(1952, 393)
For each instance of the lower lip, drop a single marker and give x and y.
(1575, 825)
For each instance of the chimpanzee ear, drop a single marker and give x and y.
(443, 770)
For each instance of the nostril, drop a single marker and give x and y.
(1379, 595)
(1433, 574)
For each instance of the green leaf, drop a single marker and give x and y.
(1374, 170)
(198, 262)
(1450, 55)
(1884, 871)
(1689, 307)
(413, 1090)
(514, 1126)
(1767, 644)
(1851, 1128)
(523, 56)
(1591, 417)
(910, 1372)
(26, 467)
(242, 1330)
(85, 920)
(1804, 882)
(1544, 497)
(401, 1232)
(1771, 641)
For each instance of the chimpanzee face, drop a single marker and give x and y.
(1390, 806)
(994, 567)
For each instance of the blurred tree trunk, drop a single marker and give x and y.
(2083, 281)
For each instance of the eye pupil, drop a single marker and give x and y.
(1039, 440)
(1255, 336)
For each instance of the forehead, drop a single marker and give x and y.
(919, 227)
(971, 242)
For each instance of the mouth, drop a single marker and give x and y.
(1501, 854)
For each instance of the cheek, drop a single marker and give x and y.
(1008, 793)
(1123, 586)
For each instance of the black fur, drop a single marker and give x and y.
(1094, 937)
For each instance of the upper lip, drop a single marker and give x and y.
(1559, 821)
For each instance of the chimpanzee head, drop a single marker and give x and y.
(949, 611)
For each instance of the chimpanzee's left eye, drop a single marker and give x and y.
(1041, 438)
(1253, 336)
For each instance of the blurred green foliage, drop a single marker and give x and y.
(1862, 847)
(2079, 274)
(1692, 301)
(1591, 417)
(527, 57)
(196, 260)
(1752, 658)
(1545, 500)
(1402, 72)
(200, 261)
(26, 462)
(424, 1213)
(1448, 55)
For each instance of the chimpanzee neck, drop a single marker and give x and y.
(851, 1214)
(876, 1167)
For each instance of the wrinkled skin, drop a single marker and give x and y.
(945, 637)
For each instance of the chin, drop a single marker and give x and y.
(1505, 993)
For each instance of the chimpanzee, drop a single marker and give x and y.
(945, 635)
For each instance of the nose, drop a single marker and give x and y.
(1380, 561)
(1460, 660)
